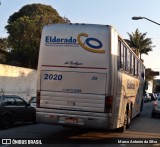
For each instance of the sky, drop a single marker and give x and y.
(117, 13)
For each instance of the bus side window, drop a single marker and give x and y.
(133, 65)
(138, 69)
(128, 60)
(142, 72)
(119, 55)
(125, 58)
(122, 57)
(131, 58)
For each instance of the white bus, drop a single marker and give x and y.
(88, 77)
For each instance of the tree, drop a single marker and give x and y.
(3, 44)
(24, 28)
(139, 42)
(150, 74)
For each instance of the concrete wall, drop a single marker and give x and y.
(18, 81)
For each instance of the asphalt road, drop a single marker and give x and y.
(142, 128)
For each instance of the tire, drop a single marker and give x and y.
(123, 128)
(5, 122)
(129, 115)
(34, 121)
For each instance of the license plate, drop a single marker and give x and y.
(71, 120)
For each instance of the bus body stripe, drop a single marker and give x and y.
(74, 67)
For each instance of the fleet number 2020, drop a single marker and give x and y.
(53, 77)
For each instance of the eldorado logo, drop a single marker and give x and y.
(90, 44)
(90, 47)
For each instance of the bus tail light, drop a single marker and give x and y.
(108, 104)
(38, 99)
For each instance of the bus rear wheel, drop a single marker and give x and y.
(127, 121)
(129, 114)
(123, 128)
(5, 122)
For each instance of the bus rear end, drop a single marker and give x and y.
(73, 76)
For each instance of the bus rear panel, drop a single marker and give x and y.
(73, 75)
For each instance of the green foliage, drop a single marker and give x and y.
(24, 28)
(138, 41)
(148, 74)
(3, 43)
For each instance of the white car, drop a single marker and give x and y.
(156, 107)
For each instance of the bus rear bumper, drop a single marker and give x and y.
(72, 118)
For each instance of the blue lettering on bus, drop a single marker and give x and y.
(53, 77)
(50, 39)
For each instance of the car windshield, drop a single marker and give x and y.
(33, 100)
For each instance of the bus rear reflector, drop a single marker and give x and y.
(108, 104)
(38, 99)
